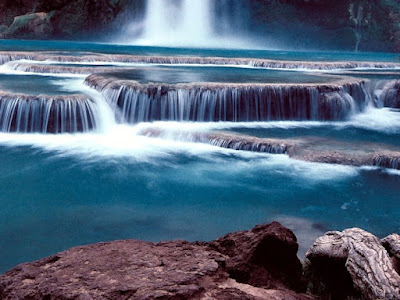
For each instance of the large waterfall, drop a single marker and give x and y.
(169, 22)
(192, 23)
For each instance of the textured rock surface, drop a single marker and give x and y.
(42, 19)
(352, 263)
(170, 270)
(392, 245)
(264, 257)
(31, 26)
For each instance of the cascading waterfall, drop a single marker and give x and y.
(45, 114)
(220, 139)
(177, 23)
(237, 103)
(192, 23)
(390, 96)
(387, 161)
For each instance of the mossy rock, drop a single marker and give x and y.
(31, 26)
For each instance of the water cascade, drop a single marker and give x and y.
(390, 96)
(221, 139)
(6, 57)
(387, 161)
(46, 114)
(192, 23)
(226, 102)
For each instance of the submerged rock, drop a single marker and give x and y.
(265, 255)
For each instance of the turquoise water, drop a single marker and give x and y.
(35, 84)
(75, 48)
(55, 199)
(60, 191)
(176, 74)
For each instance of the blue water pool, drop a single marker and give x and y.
(109, 182)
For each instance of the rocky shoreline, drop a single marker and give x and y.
(257, 264)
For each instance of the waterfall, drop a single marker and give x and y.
(237, 103)
(46, 114)
(390, 96)
(169, 22)
(192, 23)
(387, 161)
(223, 140)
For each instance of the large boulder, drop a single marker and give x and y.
(265, 256)
(354, 263)
(31, 26)
(133, 269)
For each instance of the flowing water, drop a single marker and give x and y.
(102, 180)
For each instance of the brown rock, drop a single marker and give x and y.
(170, 270)
(265, 256)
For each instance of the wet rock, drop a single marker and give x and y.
(169, 270)
(390, 96)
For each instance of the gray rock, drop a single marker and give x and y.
(352, 263)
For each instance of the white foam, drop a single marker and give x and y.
(381, 120)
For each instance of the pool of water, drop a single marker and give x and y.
(61, 191)
(36, 84)
(178, 74)
(77, 48)
(64, 190)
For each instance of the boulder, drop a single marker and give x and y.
(353, 263)
(133, 269)
(265, 256)
(31, 26)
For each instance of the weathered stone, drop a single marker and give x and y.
(392, 246)
(352, 262)
(169, 270)
(263, 257)
(31, 26)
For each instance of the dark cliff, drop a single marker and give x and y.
(63, 19)
(300, 24)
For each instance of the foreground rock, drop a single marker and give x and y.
(256, 264)
(354, 263)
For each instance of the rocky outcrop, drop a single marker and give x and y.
(353, 263)
(40, 19)
(390, 96)
(251, 262)
(31, 26)
(256, 264)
